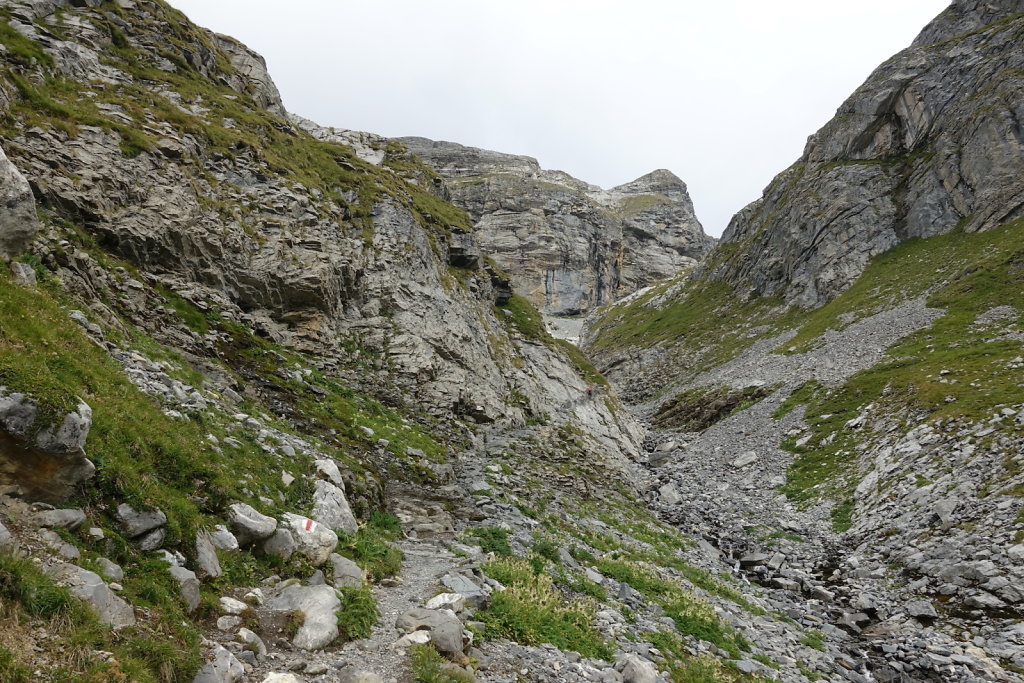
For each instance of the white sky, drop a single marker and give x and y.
(723, 93)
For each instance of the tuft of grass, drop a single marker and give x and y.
(372, 547)
(492, 540)
(548, 549)
(428, 666)
(531, 611)
(358, 613)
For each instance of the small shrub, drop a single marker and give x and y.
(358, 613)
(548, 549)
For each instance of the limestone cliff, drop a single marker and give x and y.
(930, 143)
(569, 246)
(169, 146)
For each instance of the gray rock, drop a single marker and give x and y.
(62, 519)
(249, 525)
(207, 562)
(110, 570)
(18, 221)
(23, 274)
(331, 508)
(921, 608)
(476, 596)
(137, 522)
(635, 669)
(188, 584)
(7, 540)
(744, 459)
(445, 628)
(223, 667)
(87, 586)
(313, 540)
(669, 494)
(346, 572)
(247, 637)
(151, 540)
(282, 544)
(223, 539)
(319, 606)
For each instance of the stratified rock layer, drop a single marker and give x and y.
(930, 143)
(569, 246)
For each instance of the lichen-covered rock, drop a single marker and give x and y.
(331, 508)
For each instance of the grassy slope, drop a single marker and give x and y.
(964, 274)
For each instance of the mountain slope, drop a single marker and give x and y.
(930, 143)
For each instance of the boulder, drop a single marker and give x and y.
(223, 539)
(188, 584)
(445, 628)
(319, 606)
(207, 562)
(346, 572)
(151, 540)
(249, 525)
(60, 519)
(315, 541)
(18, 221)
(223, 667)
(253, 641)
(921, 609)
(87, 586)
(136, 522)
(331, 508)
(281, 678)
(281, 544)
(47, 460)
(451, 601)
(635, 669)
(669, 494)
(744, 459)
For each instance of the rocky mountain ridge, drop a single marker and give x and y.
(569, 246)
(909, 154)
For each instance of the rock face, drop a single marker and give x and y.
(567, 245)
(930, 143)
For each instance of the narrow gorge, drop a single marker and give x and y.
(282, 402)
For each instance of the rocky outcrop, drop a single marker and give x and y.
(18, 223)
(324, 241)
(46, 457)
(930, 143)
(569, 246)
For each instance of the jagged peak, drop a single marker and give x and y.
(454, 159)
(659, 181)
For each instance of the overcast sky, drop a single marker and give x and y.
(724, 94)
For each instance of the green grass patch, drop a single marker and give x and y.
(428, 666)
(372, 547)
(358, 613)
(492, 540)
(952, 369)
(531, 611)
